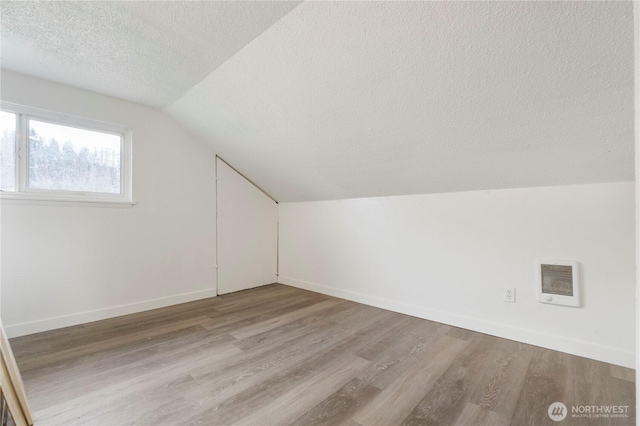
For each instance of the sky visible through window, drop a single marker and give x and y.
(79, 138)
(7, 120)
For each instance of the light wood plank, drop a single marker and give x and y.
(295, 402)
(449, 396)
(12, 382)
(397, 399)
(9, 394)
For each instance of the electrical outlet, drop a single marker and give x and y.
(509, 294)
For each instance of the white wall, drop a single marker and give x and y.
(636, 38)
(445, 257)
(66, 265)
(247, 233)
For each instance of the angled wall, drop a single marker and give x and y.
(446, 257)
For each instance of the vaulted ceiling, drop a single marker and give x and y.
(326, 100)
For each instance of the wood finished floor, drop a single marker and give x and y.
(279, 355)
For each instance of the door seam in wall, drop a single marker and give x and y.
(216, 242)
(249, 180)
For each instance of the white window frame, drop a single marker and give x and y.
(22, 191)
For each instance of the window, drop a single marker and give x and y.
(8, 151)
(49, 156)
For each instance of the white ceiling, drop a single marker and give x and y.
(143, 51)
(356, 99)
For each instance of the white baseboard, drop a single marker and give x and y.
(47, 324)
(559, 343)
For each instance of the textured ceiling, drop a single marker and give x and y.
(144, 51)
(355, 99)
(340, 100)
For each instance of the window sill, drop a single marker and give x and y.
(23, 199)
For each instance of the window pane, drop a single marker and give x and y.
(71, 159)
(7, 151)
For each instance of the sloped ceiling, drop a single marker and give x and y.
(356, 99)
(143, 51)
